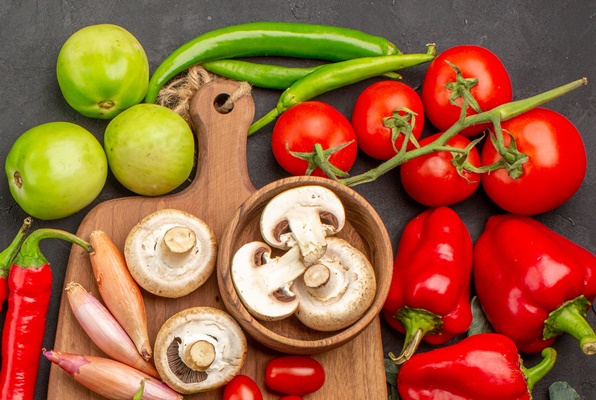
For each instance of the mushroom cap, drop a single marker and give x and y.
(171, 253)
(263, 282)
(345, 293)
(303, 215)
(214, 330)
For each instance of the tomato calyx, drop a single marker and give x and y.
(319, 158)
(460, 88)
(402, 124)
(460, 159)
(511, 158)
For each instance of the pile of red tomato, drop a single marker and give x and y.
(556, 157)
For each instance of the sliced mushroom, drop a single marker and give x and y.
(337, 290)
(199, 349)
(171, 253)
(263, 282)
(304, 216)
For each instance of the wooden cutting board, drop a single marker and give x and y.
(354, 370)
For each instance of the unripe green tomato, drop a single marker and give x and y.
(150, 149)
(102, 70)
(55, 169)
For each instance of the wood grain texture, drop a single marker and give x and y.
(354, 370)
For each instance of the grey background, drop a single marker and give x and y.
(542, 44)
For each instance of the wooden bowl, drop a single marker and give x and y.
(364, 229)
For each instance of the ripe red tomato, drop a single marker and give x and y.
(242, 387)
(296, 375)
(554, 172)
(308, 123)
(376, 102)
(434, 181)
(493, 87)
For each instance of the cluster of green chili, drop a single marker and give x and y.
(355, 56)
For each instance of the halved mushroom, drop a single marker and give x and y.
(171, 253)
(263, 282)
(337, 290)
(199, 349)
(304, 216)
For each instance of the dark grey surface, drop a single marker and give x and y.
(542, 44)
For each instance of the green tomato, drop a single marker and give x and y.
(102, 70)
(150, 149)
(55, 169)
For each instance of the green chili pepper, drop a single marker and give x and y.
(336, 75)
(265, 76)
(269, 39)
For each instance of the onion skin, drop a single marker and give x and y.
(103, 329)
(110, 378)
(119, 291)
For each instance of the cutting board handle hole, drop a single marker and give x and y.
(223, 103)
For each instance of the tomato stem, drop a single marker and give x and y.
(496, 115)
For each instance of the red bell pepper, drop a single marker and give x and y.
(8, 255)
(485, 366)
(429, 297)
(30, 285)
(534, 284)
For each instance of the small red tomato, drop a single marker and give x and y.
(555, 168)
(295, 375)
(377, 102)
(306, 124)
(493, 87)
(242, 387)
(434, 181)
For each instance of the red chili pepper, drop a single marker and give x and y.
(8, 255)
(30, 285)
(534, 284)
(429, 297)
(485, 366)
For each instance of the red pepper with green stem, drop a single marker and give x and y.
(30, 286)
(485, 366)
(8, 255)
(429, 297)
(534, 284)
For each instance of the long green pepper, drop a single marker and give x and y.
(333, 76)
(286, 39)
(267, 76)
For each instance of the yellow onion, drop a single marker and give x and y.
(110, 379)
(103, 329)
(119, 291)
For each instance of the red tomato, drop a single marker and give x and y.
(308, 123)
(554, 172)
(296, 375)
(242, 387)
(493, 87)
(433, 180)
(376, 102)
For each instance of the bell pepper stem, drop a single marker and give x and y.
(417, 323)
(537, 372)
(570, 318)
(30, 255)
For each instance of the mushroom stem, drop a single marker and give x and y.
(282, 271)
(179, 239)
(316, 276)
(200, 355)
